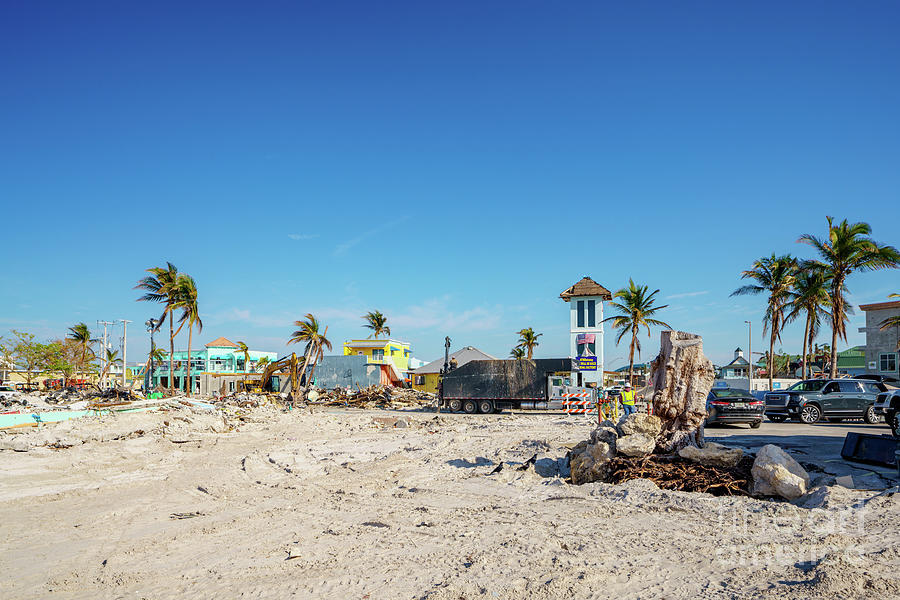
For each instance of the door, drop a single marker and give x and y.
(853, 401)
(832, 400)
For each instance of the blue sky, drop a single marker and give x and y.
(454, 165)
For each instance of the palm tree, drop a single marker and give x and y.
(162, 286)
(517, 353)
(186, 300)
(810, 296)
(528, 340)
(262, 363)
(891, 321)
(315, 342)
(111, 358)
(245, 350)
(848, 248)
(773, 275)
(377, 322)
(635, 310)
(81, 336)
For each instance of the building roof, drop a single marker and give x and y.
(374, 343)
(221, 343)
(462, 356)
(880, 305)
(586, 287)
(739, 361)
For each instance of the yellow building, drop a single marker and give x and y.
(427, 377)
(392, 355)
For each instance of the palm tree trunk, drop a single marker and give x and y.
(631, 359)
(188, 383)
(771, 358)
(805, 340)
(312, 374)
(171, 381)
(837, 314)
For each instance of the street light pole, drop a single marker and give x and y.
(749, 355)
(125, 323)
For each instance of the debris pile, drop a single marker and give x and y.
(374, 396)
(672, 472)
(616, 453)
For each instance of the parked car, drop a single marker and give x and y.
(727, 405)
(834, 399)
(887, 404)
(879, 378)
(8, 391)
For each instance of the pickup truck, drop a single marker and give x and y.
(485, 386)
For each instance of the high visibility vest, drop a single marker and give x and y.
(627, 397)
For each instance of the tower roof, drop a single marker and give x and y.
(221, 343)
(586, 287)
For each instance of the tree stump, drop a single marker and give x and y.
(682, 377)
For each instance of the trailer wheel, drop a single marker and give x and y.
(469, 407)
(456, 405)
(486, 407)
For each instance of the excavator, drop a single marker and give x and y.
(289, 365)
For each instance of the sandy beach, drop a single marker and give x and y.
(350, 504)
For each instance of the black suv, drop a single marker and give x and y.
(834, 399)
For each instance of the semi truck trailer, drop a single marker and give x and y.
(486, 386)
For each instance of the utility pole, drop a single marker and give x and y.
(151, 327)
(125, 323)
(749, 356)
(105, 344)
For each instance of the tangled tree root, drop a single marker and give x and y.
(671, 472)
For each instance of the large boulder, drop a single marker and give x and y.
(712, 454)
(635, 445)
(649, 425)
(605, 434)
(775, 473)
(588, 462)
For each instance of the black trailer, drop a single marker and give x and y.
(486, 386)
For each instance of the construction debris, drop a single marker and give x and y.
(375, 396)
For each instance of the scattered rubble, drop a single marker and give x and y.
(375, 396)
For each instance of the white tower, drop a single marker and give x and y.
(585, 300)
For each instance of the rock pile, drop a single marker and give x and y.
(618, 452)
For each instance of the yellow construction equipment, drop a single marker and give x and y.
(289, 365)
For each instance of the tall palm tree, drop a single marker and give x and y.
(517, 353)
(377, 322)
(81, 336)
(186, 300)
(636, 309)
(891, 321)
(162, 287)
(315, 342)
(847, 248)
(111, 358)
(528, 340)
(809, 295)
(775, 276)
(245, 350)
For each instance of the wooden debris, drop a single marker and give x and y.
(375, 396)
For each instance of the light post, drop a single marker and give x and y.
(749, 356)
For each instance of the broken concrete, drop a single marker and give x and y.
(635, 445)
(649, 425)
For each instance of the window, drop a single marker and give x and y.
(580, 309)
(420, 380)
(830, 388)
(592, 316)
(888, 362)
(849, 387)
(811, 385)
(230, 386)
(378, 354)
(872, 388)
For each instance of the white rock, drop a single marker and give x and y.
(588, 462)
(712, 454)
(635, 445)
(649, 425)
(776, 473)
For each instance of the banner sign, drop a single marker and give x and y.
(586, 363)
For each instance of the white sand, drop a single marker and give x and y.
(337, 505)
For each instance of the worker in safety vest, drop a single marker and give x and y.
(627, 400)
